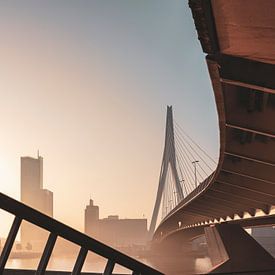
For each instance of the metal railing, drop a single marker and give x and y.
(58, 229)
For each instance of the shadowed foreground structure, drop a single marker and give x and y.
(57, 229)
(32, 272)
(238, 38)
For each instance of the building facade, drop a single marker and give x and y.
(114, 231)
(91, 219)
(33, 194)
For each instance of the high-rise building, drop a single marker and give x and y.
(91, 219)
(33, 194)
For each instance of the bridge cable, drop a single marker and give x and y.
(187, 158)
(182, 141)
(181, 174)
(182, 130)
(184, 161)
(187, 150)
(185, 165)
(188, 170)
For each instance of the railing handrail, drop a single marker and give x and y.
(35, 217)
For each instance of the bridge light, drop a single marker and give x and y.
(175, 197)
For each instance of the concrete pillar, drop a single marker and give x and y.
(233, 250)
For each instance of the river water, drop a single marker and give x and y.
(91, 264)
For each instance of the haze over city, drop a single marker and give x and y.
(138, 137)
(87, 84)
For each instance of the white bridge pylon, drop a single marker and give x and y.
(169, 158)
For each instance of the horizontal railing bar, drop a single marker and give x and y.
(41, 220)
(9, 271)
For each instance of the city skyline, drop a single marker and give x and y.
(93, 101)
(137, 137)
(113, 230)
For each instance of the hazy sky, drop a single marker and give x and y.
(87, 83)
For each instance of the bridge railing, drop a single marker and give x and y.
(57, 229)
(161, 231)
(201, 187)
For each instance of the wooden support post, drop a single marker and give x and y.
(46, 254)
(109, 267)
(9, 243)
(80, 261)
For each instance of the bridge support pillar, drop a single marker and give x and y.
(233, 251)
(174, 257)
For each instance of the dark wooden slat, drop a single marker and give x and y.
(246, 129)
(248, 71)
(80, 261)
(9, 243)
(204, 22)
(109, 267)
(46, 254)
(266, 209)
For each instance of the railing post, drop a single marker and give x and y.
(9, 243)
(109, 267)
(46, 254)
(80, 261)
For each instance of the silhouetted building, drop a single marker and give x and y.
(91, 219)
(33, 194)
(114, 231)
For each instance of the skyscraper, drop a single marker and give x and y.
(33, 194)
(91, 219)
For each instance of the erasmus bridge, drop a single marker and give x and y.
(196, 194)
(238, 38)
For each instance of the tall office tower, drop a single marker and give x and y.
(33, 194)
(91, 219)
